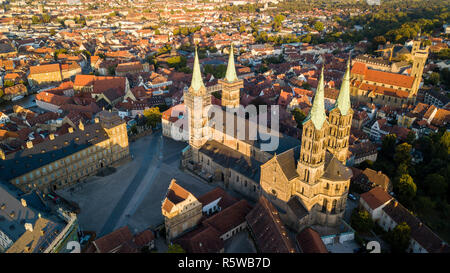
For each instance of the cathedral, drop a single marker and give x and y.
(306, 179)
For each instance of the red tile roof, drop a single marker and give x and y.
(376, 197)
(310, 242)
(45, 68)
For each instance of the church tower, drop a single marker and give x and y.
(340, 120)
(314, 136)
(231, 85)
(197, 101)
(419, 57)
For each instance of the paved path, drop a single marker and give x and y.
(120, 209)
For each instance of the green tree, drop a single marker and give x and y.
(177, 62)
(405, 188)
(411, 137)
(361, 221)
(299, 117)
(402, 169)
(318, 26)
(153, 116)
(399, 238)
(445, 142)
(379, 40)
(388, 145)
(434, 78)
(403, 154)
(175, 248)
(436, 185)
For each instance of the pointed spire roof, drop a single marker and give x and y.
(317, 113)
(343, 100)
(197, 81)
(231, 76)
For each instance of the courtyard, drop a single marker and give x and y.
(132, 195)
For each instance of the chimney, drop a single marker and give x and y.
(70, 130)
(24, 202)
(29, 144)
(51, 136)
(29, 227)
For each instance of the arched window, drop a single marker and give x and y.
(324, 206)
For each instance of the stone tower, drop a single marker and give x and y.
(197, 101)
(340, 120)
(314, 136)
(419, 57)
(231, 85)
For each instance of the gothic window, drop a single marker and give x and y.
(327, 186)
(324, 206)
(333, 208)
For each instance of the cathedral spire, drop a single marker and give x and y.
(231, 76)
(197, 81)
(317, 113)
(343, 100)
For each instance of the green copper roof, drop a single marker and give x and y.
(317, 113)
(343, 100)
(231, 76)
(197, 81)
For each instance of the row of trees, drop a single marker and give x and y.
(423, 187)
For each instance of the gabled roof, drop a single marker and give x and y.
(376, 197)
(45, 68)
(175, 195)
(113, 240)
(268, 230)
(310, 242)
(335, 170)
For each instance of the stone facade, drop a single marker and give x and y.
(181, 211)
(67, 159)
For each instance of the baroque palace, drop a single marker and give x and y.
(383, 81)
(67, 159)
(305, 179)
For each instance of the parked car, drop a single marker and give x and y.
(352, 197)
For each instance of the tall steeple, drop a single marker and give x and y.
(340, 120)
(231, 76)
(197, 81)
(231, 85)
(343, 100)
(317, 113)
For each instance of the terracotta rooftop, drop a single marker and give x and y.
(46, 68)
(376, 197)
(310, 242)
(267, 229)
